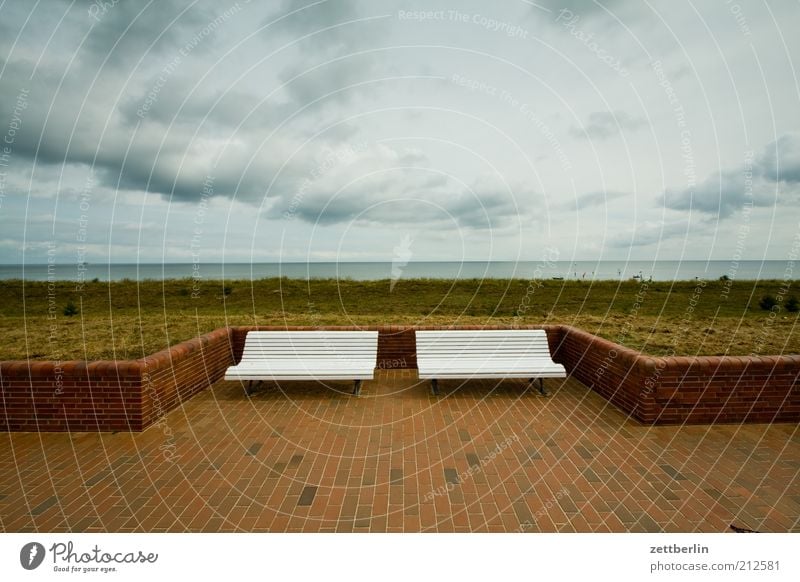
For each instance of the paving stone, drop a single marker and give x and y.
(451, 476)
(309, 457)
(673, 472)
(307, 496)
(44, 505)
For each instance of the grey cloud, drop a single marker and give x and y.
(651, 233)
(178, 142)
(720, 194)
(306, 81)
(598, 198)
(7, 36)
(242, 171)
(383, 186)
(724, 193)
(216, 111)
(574, 12)
(578, 6)
(604, 124)
(52, 110)
(74, 122)
(413, 156)
(221, 108)
(780, 161)
(127, 31)
(377, 198)
(490, 204)
(328, 24)
(158, 155)
(336, 31)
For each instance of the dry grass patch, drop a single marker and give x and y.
(122, 320)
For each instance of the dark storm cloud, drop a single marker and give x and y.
(604, 124)
(57, 127)
(223, 109)
(126, 31)
(178, 147)
(238, 112)
(489, 204)
(172, 143)
(331, 26)
(324, 22)
(71, 118)
(54, 110)
(396, 194)
(329, 34)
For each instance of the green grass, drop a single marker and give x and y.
(126, 319)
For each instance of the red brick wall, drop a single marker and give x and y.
(110, 396)
(72, 396)
(132, 395)
(170, 377)
(611, 370)
(728, 389)
(696, 390)
(397, 348)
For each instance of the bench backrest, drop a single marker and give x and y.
(308, 345)
(480, 344)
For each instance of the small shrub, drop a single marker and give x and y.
(792, 304)
(227, 290)
(70, 309)
(724, 278)
(184, 292)
(95, 280)
(767, 302)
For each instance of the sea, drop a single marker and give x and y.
(371, 271)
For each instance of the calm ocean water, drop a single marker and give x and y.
(587, 270)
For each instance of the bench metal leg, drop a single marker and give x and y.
(435, 387)
(542, 391)
(357, 388)
(252, 385)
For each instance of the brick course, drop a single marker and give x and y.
(70, 396)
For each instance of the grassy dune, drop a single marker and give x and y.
(128, 320)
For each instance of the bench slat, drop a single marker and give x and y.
(307, 355)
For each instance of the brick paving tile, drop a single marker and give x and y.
(483, 456)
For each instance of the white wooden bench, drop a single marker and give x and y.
(307, 355)
(490, 353)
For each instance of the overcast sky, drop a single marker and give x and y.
(344, 130)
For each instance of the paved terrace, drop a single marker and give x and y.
(396, 459)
